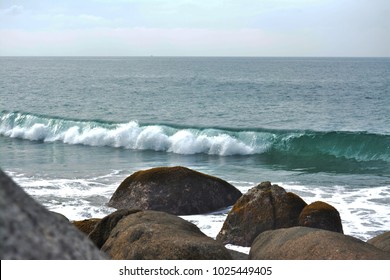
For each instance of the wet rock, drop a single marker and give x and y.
(321, 215)
(176, 190)
(262, 208)
(303, 243)
(153, 235)
(29, 231)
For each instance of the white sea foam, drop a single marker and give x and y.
(133, 136)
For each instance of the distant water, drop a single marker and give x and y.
(71, 129)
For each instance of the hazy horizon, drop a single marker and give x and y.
(188, 28)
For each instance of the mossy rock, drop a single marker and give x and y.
(87, 225)
(262, 208)
(321, 215)
(176, 190)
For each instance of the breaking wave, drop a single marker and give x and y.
(359, 146)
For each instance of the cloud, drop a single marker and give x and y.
(12, 11)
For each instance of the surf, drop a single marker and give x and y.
(357, 146)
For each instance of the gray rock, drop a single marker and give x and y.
(29, 231)
(303, 243)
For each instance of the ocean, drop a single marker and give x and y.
(72, 128)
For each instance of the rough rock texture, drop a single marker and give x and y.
(262, 208)
(303, 243)
(176, 190)
(321, 215)
(381, 241)
(102, 230)
(153, 235)
(86, 225)
(29, 231)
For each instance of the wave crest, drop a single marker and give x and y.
(359, 146)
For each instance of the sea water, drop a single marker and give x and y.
(72, 128)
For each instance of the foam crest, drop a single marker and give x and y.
(305, 145)
(126, 135)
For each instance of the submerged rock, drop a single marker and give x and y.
(262, 208)
(321, 215)
(153, 235)
(29, 231)
(303, 243)
(176, 190)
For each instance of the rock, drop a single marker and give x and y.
(102, 230)
(176, 190)
(262, 208)
(381, 241)
(321, 215)
(303, 243)
(29, 231)
(238, 255)
(86, 225)
(153, 235)
(60, 215)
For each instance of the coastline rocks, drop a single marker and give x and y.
(321, 215)
(153, 235)
(29, 231)
(381, 241)
(303, 243)
(175, 190)
(262, 208)
(87, 225)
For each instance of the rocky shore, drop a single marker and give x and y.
(275, 224)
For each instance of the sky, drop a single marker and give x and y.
(348, 28)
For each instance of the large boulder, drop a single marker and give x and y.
(321, 215)
(262, 208)
(381, 241)
(29, 231)
(176, 190)
(303, 243)
(154, 235)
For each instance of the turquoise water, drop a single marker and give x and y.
(71, 129)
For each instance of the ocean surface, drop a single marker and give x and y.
(72, 128)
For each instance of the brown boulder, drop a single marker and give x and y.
(153, 235)
(103, 229)
(381, 241)
(86, 225)
(262, 208)
(303, 243)
(176, 190)
(321, 215)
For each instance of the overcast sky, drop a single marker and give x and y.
(195, 28)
